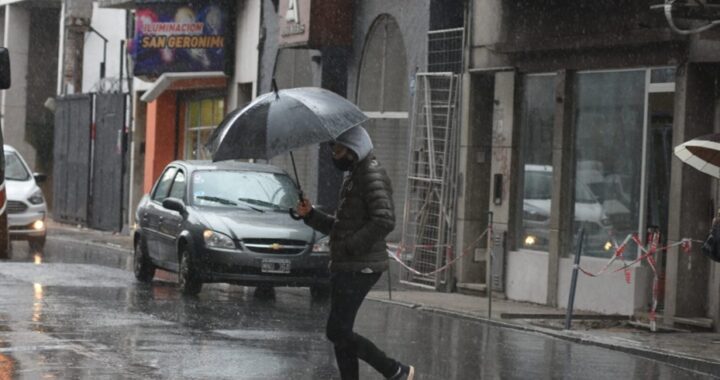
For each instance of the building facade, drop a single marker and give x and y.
(578, 106)
(372, 61)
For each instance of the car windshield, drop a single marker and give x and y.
(14, 168)
(243, 189)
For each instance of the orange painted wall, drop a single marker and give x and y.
(159, 136)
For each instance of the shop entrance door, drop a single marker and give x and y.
(203, 115)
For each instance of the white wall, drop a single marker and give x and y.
(246, 49)
(526, 279)
(111, 24)
(14, 104)
(608, 294)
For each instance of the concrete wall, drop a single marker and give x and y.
(526, 273)
(268, 44)
(504, 149)
(489, 24)
(474, 170)
(690, 209)
(413, 18)
(111, 24)
(137, 146)
(608, 294)
(246, 53)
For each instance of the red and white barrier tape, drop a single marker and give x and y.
(685, 244)
(396, 255)
(649, 255)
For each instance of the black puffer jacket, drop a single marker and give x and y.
(364, 218)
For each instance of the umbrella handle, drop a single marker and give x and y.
(291, 211)
(294, 214)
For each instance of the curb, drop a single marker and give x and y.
(700, 366)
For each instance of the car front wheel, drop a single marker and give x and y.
(142, 266)
(190, 285)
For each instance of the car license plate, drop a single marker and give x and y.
(275, 266)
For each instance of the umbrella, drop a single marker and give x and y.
(702, 153)
(280, 121)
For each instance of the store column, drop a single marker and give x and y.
(160, 136)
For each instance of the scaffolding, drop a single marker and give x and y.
(431, 186)
(430, 194)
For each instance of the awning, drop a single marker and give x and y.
(185, 81)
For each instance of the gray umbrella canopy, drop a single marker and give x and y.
(702, 153)
(278, 122)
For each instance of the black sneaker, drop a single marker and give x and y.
(405, 372)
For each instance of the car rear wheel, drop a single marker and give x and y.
(319, 292)
(37, 244)
(142, 266)
(190, 285)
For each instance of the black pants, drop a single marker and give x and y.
(348, 292)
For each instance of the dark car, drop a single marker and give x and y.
(227, 222)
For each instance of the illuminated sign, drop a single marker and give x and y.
(175, 36)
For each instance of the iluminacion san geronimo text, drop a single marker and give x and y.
(182, 42)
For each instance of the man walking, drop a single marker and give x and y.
(358, 251)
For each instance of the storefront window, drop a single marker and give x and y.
(537, 121)
(202, 117)
(609, 110)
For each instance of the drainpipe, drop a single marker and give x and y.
(61, 49)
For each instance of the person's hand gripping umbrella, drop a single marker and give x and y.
(283, 120)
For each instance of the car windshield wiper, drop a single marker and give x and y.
(260, 203)
(249, 203)
(227, 202)
(217, 200)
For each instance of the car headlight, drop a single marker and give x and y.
(322, 245)
(215, 239)
(36, 198)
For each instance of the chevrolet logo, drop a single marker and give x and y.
(276, 246)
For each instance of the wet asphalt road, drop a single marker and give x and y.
(65, 320)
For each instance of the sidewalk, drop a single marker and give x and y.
(697, 351)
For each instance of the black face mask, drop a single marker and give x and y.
(343, 164)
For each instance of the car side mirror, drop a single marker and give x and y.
(4, 69)
(175, 205)
(40, 177)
